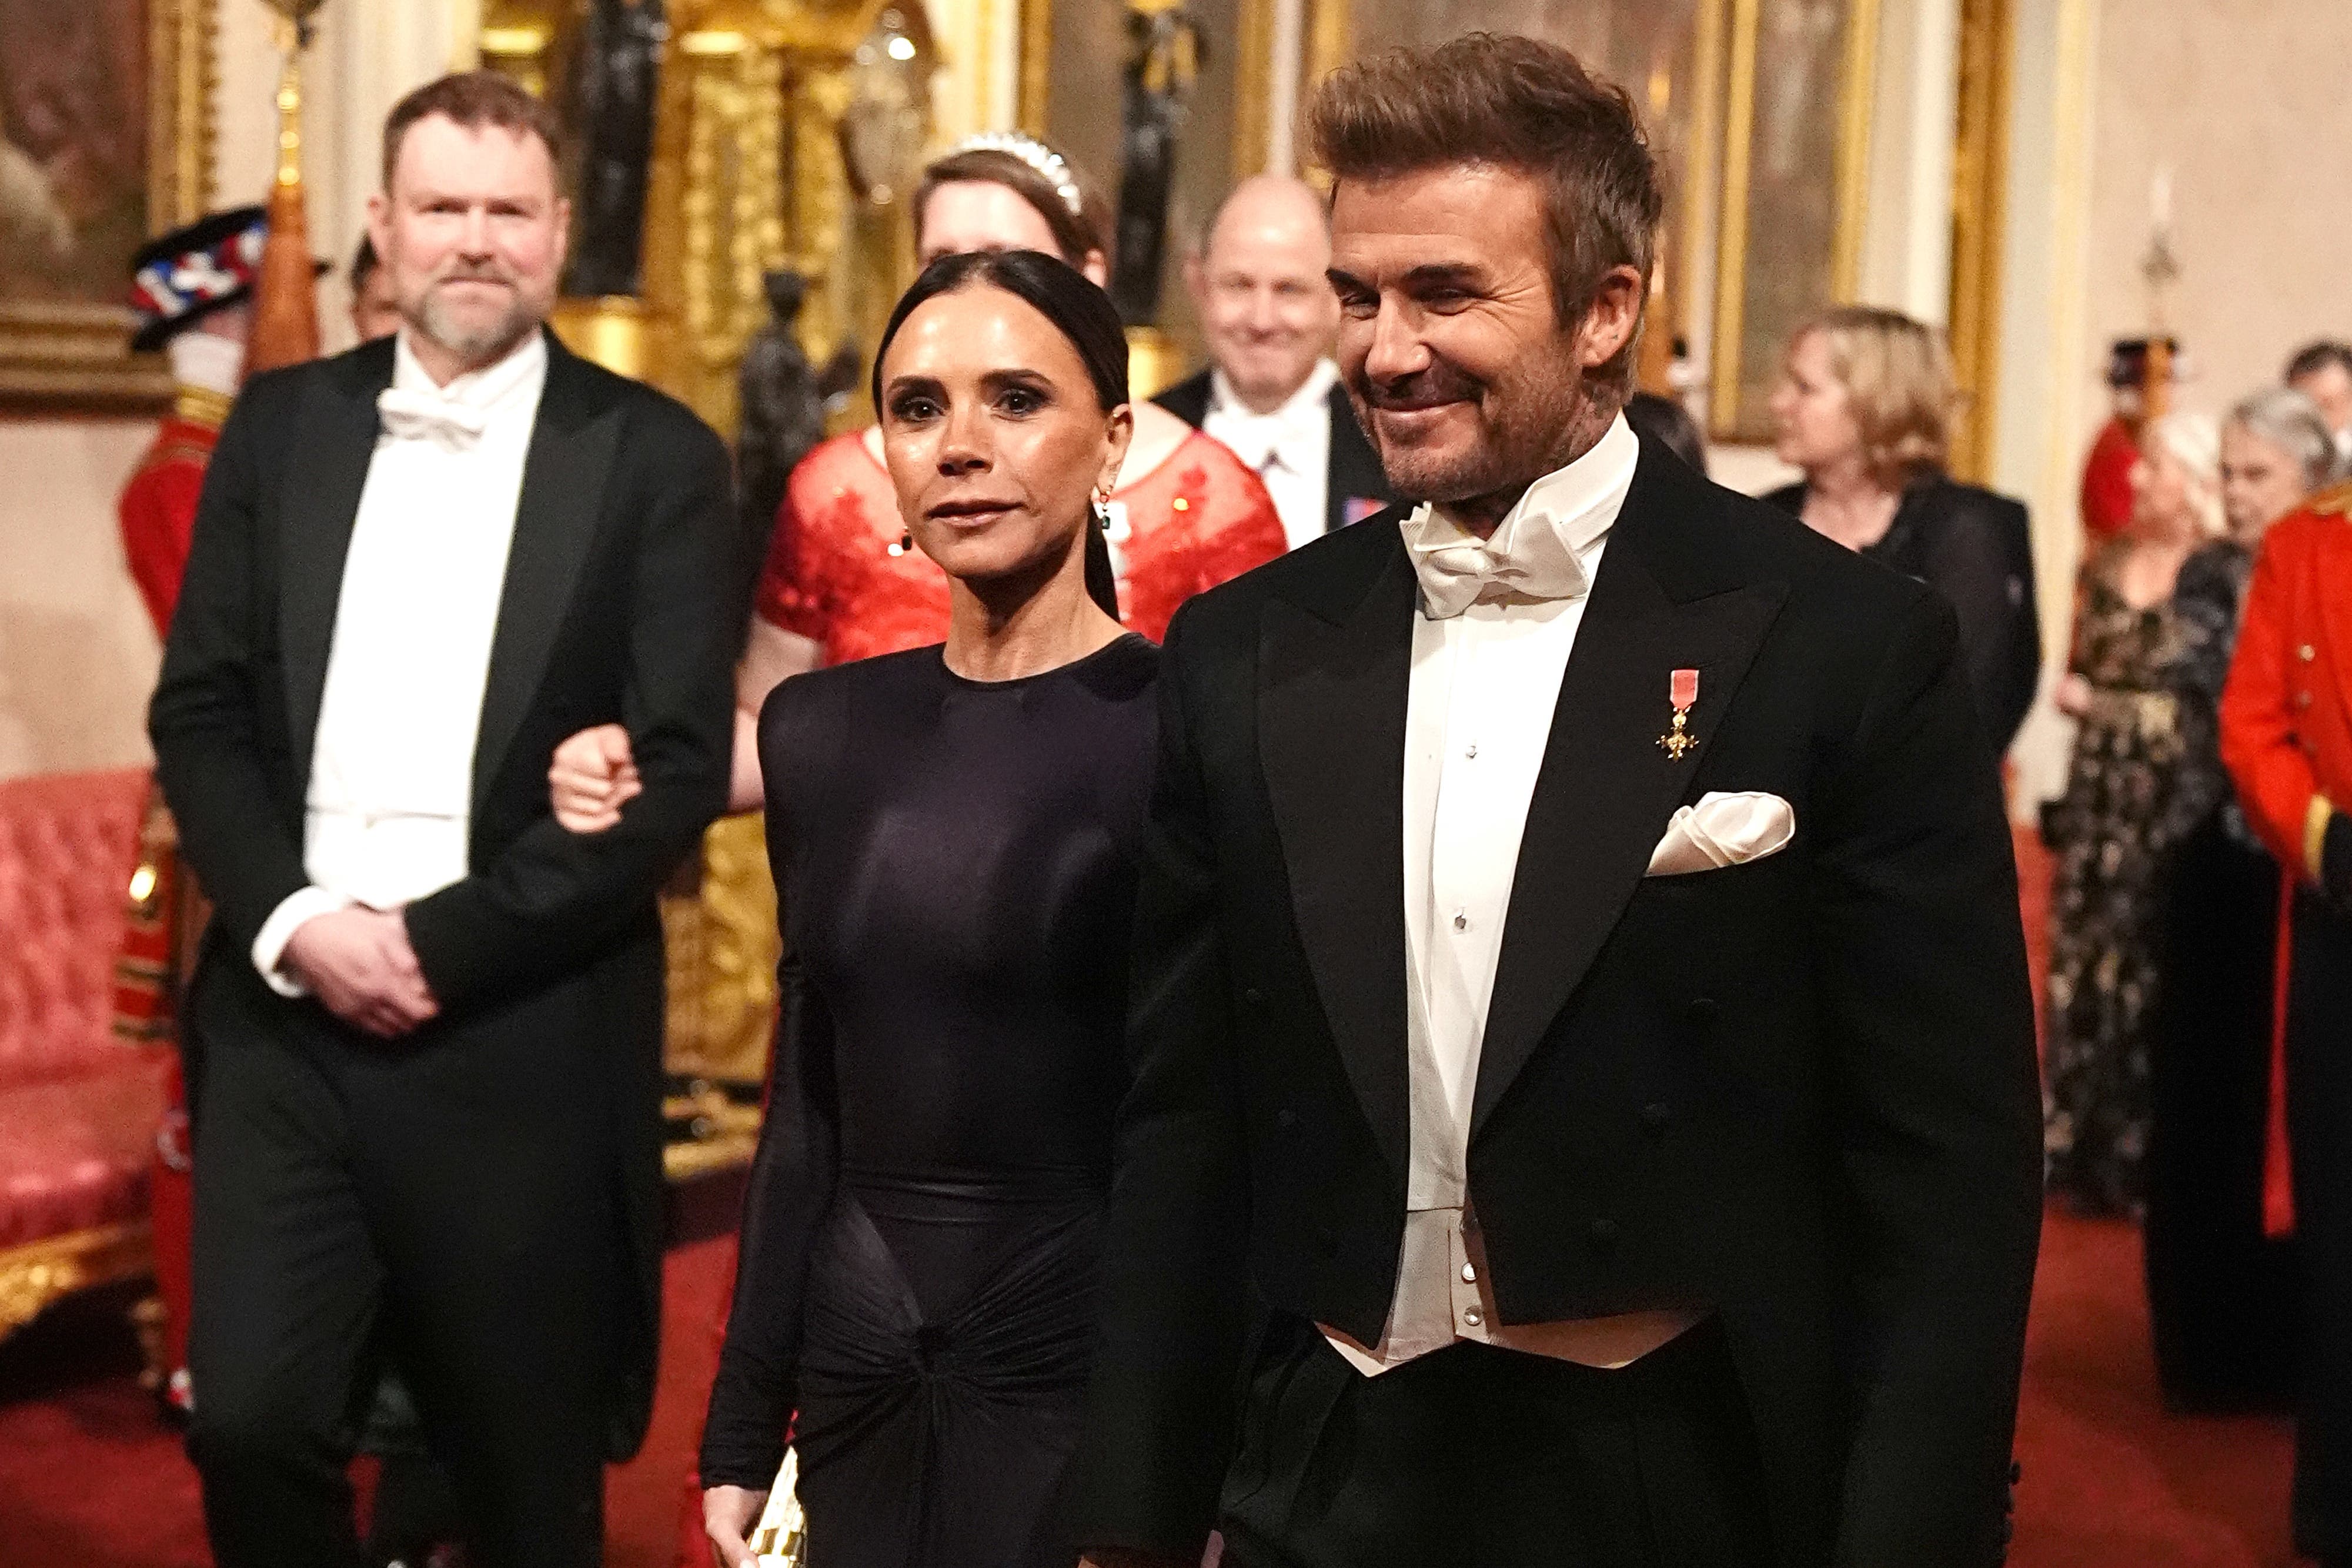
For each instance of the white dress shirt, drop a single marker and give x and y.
(1290, 448)
(391, 770)
(1486, 680)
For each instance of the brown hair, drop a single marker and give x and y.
(473, 99)
(1898, 382)
(1499, 99)
(1088, 229)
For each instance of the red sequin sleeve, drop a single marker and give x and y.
(1197, 519)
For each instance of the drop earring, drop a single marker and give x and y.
(905, 542)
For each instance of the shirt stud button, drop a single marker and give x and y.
(1469, 1273)
(1471, 749)
(1472, 1318)
(1460, 922)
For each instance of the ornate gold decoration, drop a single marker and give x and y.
(39, 1272)
(1731, 217)
(517, 47)
(1979, 200)
(722, 949)
(68, 356)
(1253, 85)
(1037, 63)
(1855, 91)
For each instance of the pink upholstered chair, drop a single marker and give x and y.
(79, 1109)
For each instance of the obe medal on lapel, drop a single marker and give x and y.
(1682, 693)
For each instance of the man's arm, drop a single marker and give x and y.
(1920, 962)
(203, 719)
(1175, 1242)
(552, 897)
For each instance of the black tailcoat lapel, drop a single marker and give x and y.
(1331, 710)
(1607, 789)
(571, 448)
(317, 502)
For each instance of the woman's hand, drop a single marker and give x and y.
(2073, 696)
(592, 777)
(729, 1514)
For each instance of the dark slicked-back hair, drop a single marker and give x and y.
(472, 98)
(1518, 103)
(1080, 311)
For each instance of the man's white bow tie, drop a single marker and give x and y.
(421, 416)
(1456, 569)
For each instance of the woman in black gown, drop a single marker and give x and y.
(954, 834)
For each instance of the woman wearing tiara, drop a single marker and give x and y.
(843, 580)
(955, 831)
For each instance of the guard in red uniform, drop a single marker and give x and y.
(2287, 738)
(190, 290)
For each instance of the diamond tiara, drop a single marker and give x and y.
(1047, 162)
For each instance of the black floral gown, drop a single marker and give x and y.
(2134, 793)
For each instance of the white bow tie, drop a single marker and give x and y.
(421, 416)
(1457, 568)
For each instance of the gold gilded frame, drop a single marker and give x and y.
(36, 1273)
(1856, 87)
(78, 358)
(1979, 198)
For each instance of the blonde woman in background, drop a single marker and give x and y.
(1865, 406)
(2131, 799)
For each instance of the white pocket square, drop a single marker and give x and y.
(1724, 830)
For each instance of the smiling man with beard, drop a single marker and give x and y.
(1584, 1107)
(426, 1103)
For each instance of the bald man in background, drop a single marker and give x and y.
(1271, 393)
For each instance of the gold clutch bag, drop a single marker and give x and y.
(780, 1538)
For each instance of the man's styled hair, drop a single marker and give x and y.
(1500, 98)
(1898, 382)
(473, 99)
(2314, 358)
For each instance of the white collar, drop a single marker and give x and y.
(1300, 412)
(1544, 536)
(511, 379)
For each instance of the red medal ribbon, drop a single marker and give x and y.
(1682, 689)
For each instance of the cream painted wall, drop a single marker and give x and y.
(76, 653)
(2247, 102)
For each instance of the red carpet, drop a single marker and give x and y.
(90, 1477)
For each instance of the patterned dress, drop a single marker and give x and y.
(840, 573)
(2134, 791)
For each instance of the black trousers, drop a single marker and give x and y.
(448, 1202)
(2222, 1295)
(2320, 1126)
(1473, 1454)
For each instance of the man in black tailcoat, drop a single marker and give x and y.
(1584, 1106)
(427, 1122)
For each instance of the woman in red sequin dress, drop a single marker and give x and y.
(842, 580)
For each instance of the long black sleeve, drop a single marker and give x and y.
(215, 740)
(792, 1180)
(552, 898)
(1175, 1273)
(1930, 1015)
(1977, 553)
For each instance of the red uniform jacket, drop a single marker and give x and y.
(159, 505)
(158, 511)
(2286, 714)
(2286, 733)
(2106, 482)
